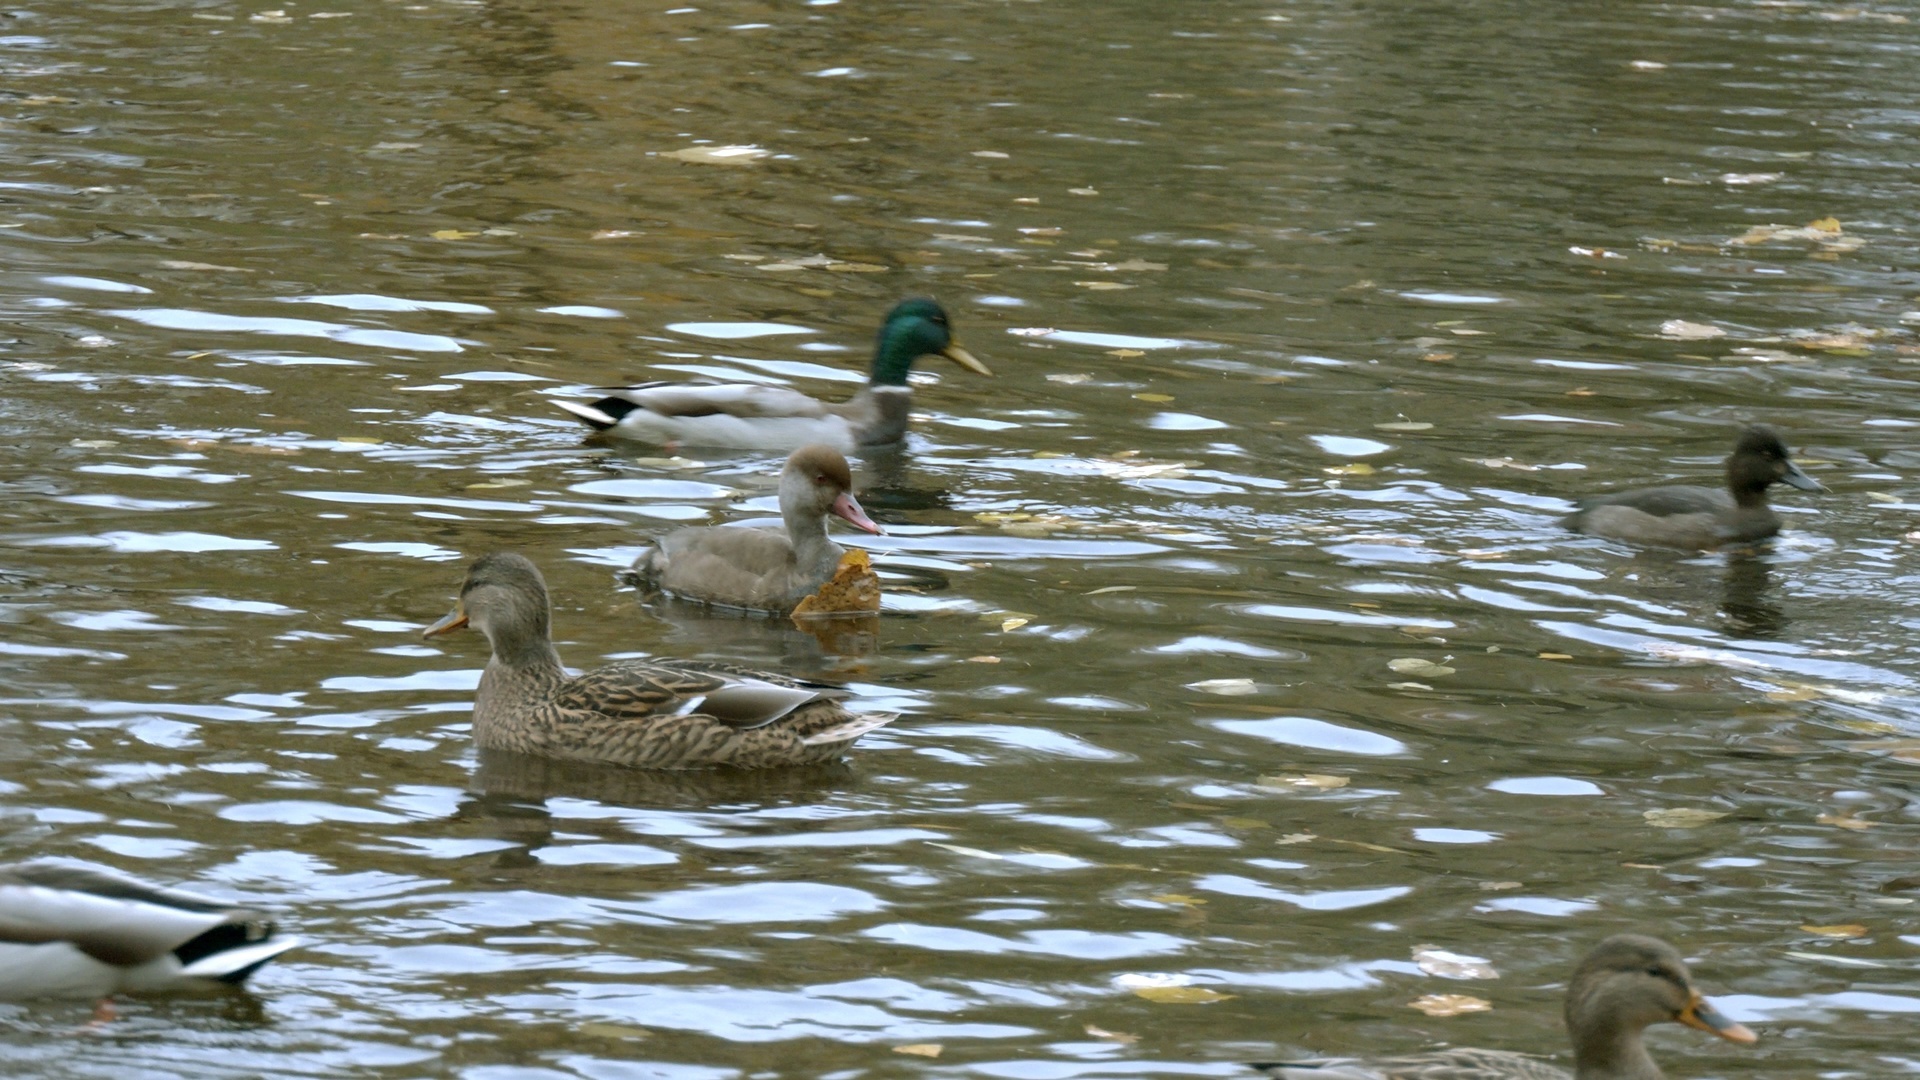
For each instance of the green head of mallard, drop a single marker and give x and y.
(916, 328)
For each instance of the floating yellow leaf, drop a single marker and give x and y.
(1082, 191)
(452, 234)
(1125, 354)
(1846, 820)
(1296, 838)
(1111, 589)
(1682, 817)
(1178, 899)
(1157, 399)
(1840, 930)
(1113, 1036)
(1404, 425)
(508, 482)
(1102, 286)
(983, 659)
(930, 1050)
(1499, 886)
(1435, 960)
(1071, 380)
(854, 589)
(1555, 656)
(1449, 1004)
(1317, 781)
(1013, 624)
(1413, 665)
(1357, 468)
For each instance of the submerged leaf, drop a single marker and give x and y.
(1413, 665)
(1449, 965)
(718, 155)
(1838, 930)
(1316, 781)
(1682, 817)
(1449, 1004)
(1225, 687)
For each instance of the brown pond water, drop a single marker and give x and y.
(1348, 299)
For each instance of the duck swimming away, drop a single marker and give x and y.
(649, 714)
(72, 930)
(765, 569)
(1701, 518)
(752, 416)
(1625, 984)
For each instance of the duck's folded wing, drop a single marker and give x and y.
(655, 691)
(1464, 1063)
(113, 919)
(1666, 501)
(747, 400)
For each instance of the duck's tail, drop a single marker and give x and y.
(851, 729)
(600, 415)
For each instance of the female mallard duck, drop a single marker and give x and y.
(1625, 984)
(1699, 518)
(73, 930)
(650, 714)
(774, 418)
(765, 569)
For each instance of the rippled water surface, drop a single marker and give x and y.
(1238, 648)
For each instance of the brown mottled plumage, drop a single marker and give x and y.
(765, 569)
(1625, 984)
(650, 714)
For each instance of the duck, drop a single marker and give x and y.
(1701, 518)
(752, 416)
(72, 929)
(765, 569)
(1622, 986)
(649, 714)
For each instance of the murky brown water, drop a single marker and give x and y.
(1347, 298)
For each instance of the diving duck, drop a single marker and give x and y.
(758, 417)
(765, 569)
(1700, 518)
(649, 714)
(74, 930)
(1625, 984)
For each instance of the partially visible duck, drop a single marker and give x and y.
(1700, 518)
(765, 569)
(775, 418)
(74, 930)
(650, 714)
(1624, 985)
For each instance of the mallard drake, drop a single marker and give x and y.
(765, 569)
(650, 714)
(774, 418)
(1625, 984)
(1700, 518)
(74, 930)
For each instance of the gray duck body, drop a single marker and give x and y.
(1701, 518)
(764, 569)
